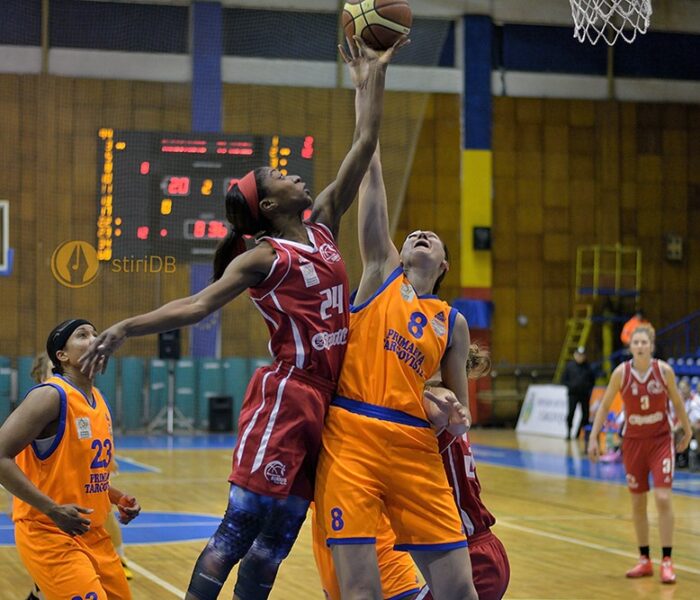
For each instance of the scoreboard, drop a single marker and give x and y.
(163, 193)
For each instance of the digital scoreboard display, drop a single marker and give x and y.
(163, 193)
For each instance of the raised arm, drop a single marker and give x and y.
(246, 270)
(602, 413)
(370, 66)
(379, 255)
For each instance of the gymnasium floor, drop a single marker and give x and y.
(564, 522)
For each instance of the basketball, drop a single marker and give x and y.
(378, 22)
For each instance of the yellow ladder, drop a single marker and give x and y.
(577, 329)
(612, 271)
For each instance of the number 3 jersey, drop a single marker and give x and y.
(646, 401)
(397, 340)
(74, 468)
(304, 301)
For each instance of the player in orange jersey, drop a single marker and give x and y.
(646, 384)
(490, 566)
(379, 452)
(55, 453)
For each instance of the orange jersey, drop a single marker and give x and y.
(397, 340)
(75, 468)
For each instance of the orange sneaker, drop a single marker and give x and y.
(667, 574)
(642, 569)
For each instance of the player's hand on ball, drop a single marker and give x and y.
(128, 508)
(360, 56)
(69, 519)
(359, 69)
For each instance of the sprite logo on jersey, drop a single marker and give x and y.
(325, 340)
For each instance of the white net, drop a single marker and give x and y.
(610, 19)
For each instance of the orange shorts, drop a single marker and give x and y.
(369, 465)
(66, 568)
(397, 571)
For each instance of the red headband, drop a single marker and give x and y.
(249, 189)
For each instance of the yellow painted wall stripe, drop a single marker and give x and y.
(476, 211)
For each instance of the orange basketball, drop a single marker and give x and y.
(378, 22)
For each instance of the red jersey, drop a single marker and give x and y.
(646, 402)
(304, 301)
(461, 474)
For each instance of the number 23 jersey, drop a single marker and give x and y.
(397, 340)
(74, 469)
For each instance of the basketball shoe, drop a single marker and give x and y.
(642, 569)
(667, 574)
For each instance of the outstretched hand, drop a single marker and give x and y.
(360, 56)
(457, 419)
(103, 346)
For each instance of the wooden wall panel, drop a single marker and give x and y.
(566, 173)
(611, 172)
(48, 149)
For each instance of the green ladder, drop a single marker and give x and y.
(577, 329)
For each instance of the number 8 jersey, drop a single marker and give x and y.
(74, 467)
(397, 340)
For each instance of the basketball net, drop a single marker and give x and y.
(610, 19)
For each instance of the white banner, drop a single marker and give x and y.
(545, 410)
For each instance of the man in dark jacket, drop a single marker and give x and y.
(579, 379)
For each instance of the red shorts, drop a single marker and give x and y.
(648, 455)
(279, 432)
(490, 567)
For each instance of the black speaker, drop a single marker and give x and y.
(169, 345)
(481, 238)
(220, 414)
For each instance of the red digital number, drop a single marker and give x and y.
(217, 230)
(178, 186)
(200, 228)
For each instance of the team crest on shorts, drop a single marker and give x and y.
(274, 472)
(407, 292)
(82, 424)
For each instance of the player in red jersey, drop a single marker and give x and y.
(646, 384)
(490, 566)
(297, 280)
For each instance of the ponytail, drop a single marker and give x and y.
(478, 362)
(229, 248)
(244, 216)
